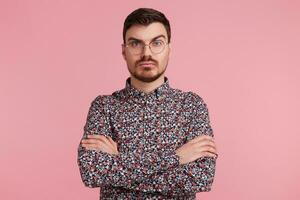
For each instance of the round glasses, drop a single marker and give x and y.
(137, 47)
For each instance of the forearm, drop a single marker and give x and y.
(126, 169)
(183, 180)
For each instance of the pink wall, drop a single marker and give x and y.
(242, 57)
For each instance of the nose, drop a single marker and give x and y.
(146, 50)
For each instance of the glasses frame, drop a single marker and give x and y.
(144, 45)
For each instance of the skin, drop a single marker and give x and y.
(147, 79)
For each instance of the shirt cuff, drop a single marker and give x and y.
(169, 159)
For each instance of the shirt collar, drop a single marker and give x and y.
(157, 93)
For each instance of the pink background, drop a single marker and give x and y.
(242, 57)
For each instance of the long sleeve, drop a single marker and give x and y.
(193, 177)
(125, 169)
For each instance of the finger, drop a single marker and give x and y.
(208, 154)
(90, 146)
(99, 146)
(210, 150)
(207, 142)
(100, 137)
(96, 136)
(205, 147)
(201, 144)
(202, 138)
(103, 138)
(215, 155)
(108, 141)
(90, 141)
(112, 141)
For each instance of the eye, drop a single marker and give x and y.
(157, 43)
(134, 43)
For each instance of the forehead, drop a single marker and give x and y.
(146, 33)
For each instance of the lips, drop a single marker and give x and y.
(146, 63)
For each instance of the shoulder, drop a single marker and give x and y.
(101, 101)
(108, 99)
(192, 99)
(190, 95)
(189, 99)
(101, 98)
(107, 102)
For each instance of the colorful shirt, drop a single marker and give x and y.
(148, 128)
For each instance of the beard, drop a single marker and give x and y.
(146, 78)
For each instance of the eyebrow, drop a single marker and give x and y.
(132, 38)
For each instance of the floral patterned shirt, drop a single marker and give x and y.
(148, 128)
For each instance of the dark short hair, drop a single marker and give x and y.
(146, 16)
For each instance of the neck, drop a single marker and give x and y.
(146, 87)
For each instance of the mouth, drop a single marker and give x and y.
(146, 64)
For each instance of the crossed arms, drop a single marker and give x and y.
(157, 171)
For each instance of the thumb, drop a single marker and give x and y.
(112, 142)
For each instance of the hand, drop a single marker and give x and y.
(200, 146)
(100, 143)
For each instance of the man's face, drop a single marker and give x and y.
(154, 32)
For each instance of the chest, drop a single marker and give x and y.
(149, 128)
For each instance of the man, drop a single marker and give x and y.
(148, 140)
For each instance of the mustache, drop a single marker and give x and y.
(146, 60)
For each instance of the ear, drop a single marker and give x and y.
(123, 52)
(169, 46)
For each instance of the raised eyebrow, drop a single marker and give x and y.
(132, 38)
(135, 39)
(158, 37)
